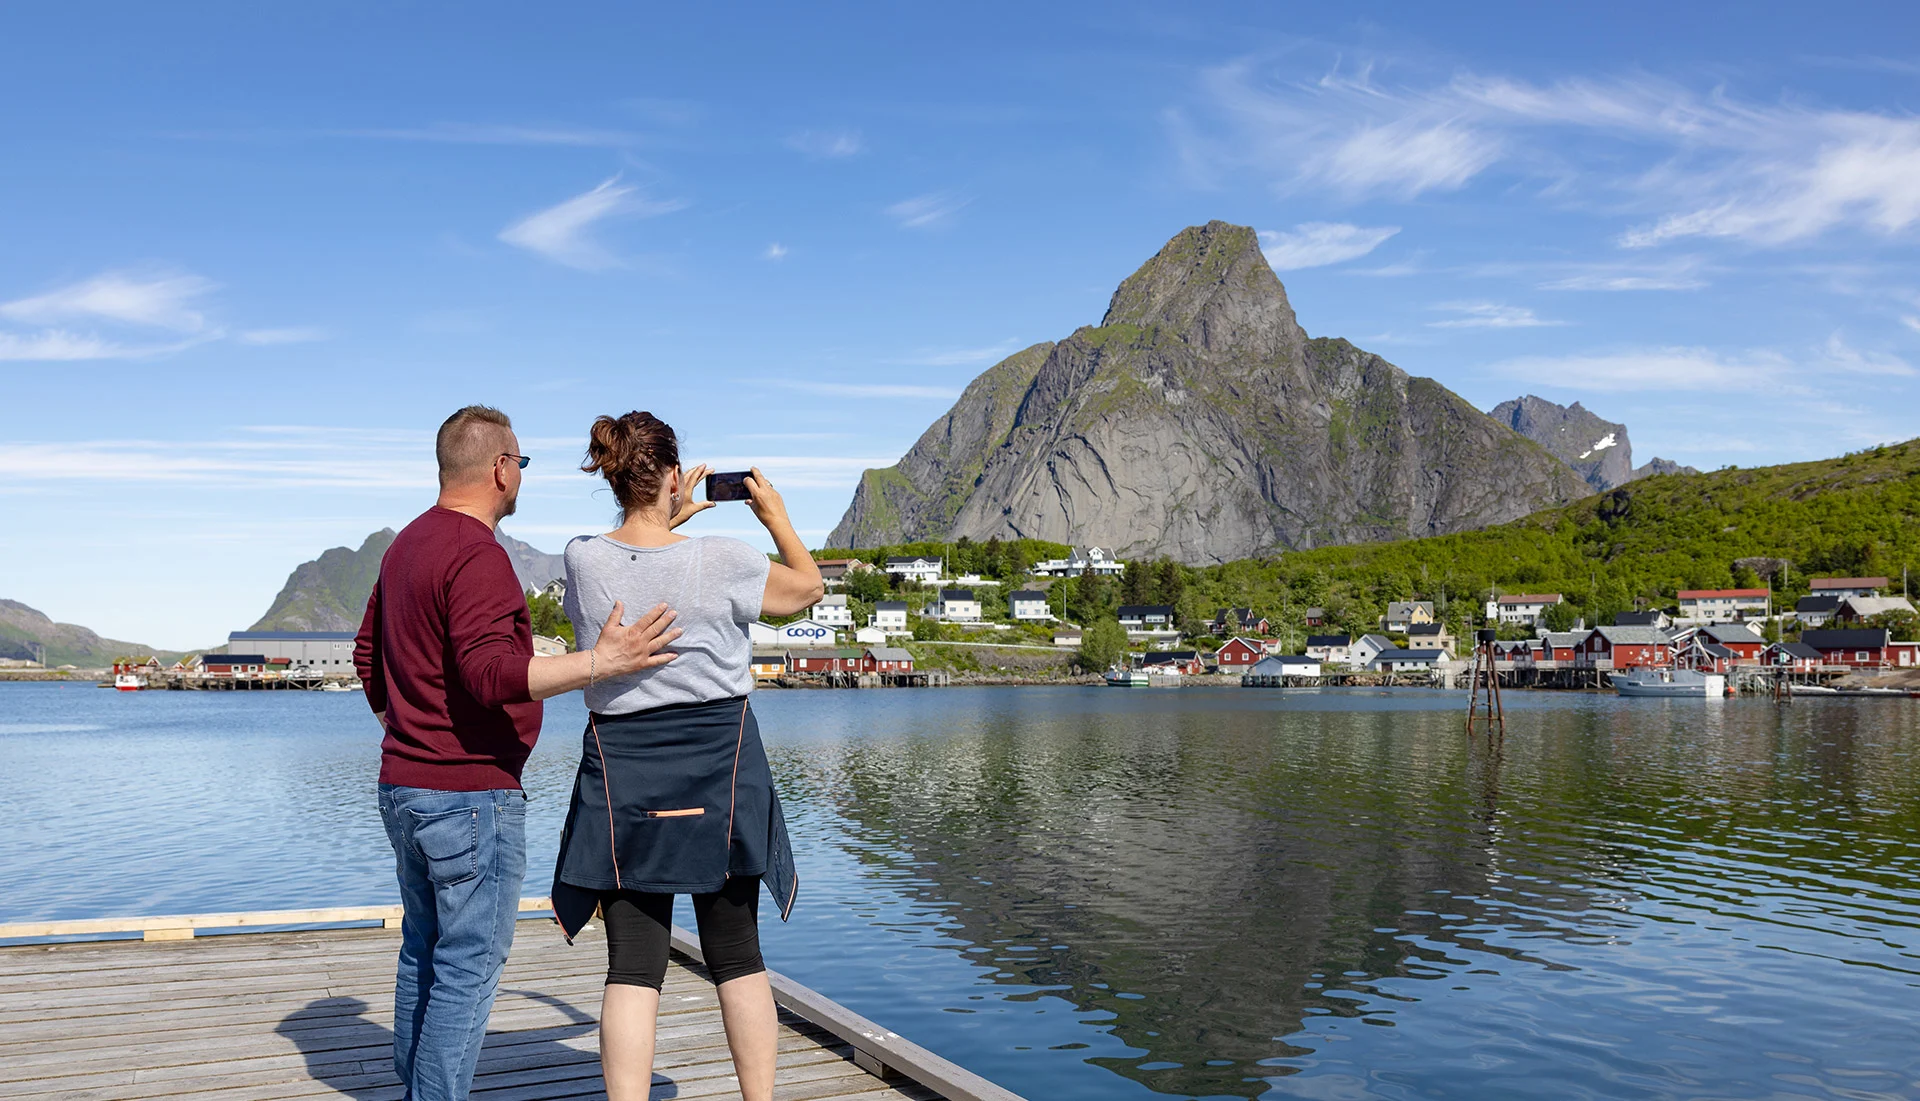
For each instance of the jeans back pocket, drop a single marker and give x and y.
(450, 840)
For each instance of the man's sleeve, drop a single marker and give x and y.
(485, 609)
(367, 657)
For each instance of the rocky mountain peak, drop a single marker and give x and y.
(1198, 421)
(1212, 286)
(1597, 450)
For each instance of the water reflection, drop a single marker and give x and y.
(1086, 893)
(1612, 900)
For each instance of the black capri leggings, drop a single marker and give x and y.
(639, 931)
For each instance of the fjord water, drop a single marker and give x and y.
(1193, 893)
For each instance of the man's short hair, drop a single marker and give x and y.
(469, 442)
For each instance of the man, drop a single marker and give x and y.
(446, 654)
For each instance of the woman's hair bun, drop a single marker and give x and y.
(633, 452)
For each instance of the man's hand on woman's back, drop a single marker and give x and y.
(621, 648)
(628, 649)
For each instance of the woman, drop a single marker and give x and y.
(673, 794)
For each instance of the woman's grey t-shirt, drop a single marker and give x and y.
(715, 586)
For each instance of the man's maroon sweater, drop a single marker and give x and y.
(443, 652)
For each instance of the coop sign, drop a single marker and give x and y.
(806, 630)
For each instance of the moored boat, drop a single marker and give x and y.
(129, 682)
(1685, 683)
(1128, 678)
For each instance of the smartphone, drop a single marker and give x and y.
(727, 487)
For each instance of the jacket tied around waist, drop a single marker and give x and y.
(675, 799)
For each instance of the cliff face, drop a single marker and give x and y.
(330, 593)
(1597, 450)
(1198, 420)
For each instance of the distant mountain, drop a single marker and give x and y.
(1597, 450)
(330, 593)
(66, 643)
(1199, 421)
(1661, 466)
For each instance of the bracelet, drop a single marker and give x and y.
(590, 665)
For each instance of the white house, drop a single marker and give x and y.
(1524, 608)
(923, 570)
(958, 606)
(763, 634)
(832, 611)
(804, 633)
(1146, 617)
(1067, 636)
(1331, 649)
(1844, 587)
(1076, 563)
(1029, 605)
(1405, 661)
(891, 616)
(1285, 665)
(1367, 647)
(870, 636)
(1709, 605)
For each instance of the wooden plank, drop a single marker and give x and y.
(186, 924)
(885, 1048)
(289, 1016)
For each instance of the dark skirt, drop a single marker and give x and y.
(675, 800)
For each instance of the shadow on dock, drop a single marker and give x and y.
(347, 1052)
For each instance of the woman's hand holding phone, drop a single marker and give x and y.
(765, 502)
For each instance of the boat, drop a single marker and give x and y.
(129, 682)
(1128, 678)
(334, 686)
(1811, 690)
(1688, 683)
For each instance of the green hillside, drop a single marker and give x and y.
(1634, 546)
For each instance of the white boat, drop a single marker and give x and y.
(1810, 690)
(1128, 678)
(129, 682)
(334, 686)
(1689, 683)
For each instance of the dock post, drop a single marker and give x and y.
(1485, 678)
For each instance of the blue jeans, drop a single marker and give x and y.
(460, 857)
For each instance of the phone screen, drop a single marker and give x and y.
(727, 487)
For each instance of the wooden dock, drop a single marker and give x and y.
(309, 1014)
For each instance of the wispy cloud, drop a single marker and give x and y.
(469, 133)
(869, 389)
(283, 336)
(114, 315)
(961, 357)
(249, 458)
(774, 251)
(1681, 276)
(1316, 244)
(165, 301)
(826, 144)
(1489, 315)
(58, 345)
(562, 233)
(1701, 164)
(1665, 369)
(927, 211)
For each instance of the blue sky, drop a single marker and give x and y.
(250, 255)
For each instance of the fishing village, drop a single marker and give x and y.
(1069, 552)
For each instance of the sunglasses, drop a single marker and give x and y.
(522, 460)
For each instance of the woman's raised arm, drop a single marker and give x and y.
(793, 583)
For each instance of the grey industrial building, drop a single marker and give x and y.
(326, 651)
